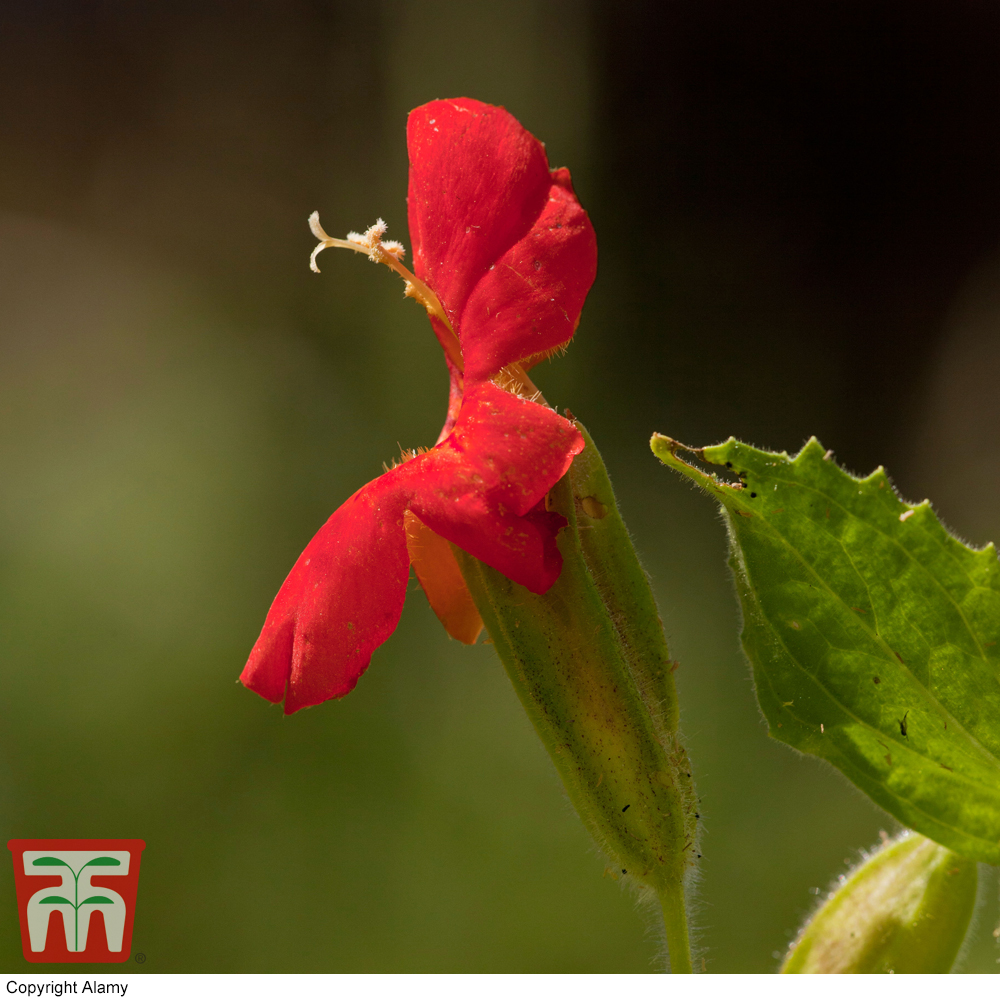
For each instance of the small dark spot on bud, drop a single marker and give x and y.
(538, 265)
(625, 808)
(753, 495)
(729, 465)
(697, 815)
(877, 680)
(624, 871)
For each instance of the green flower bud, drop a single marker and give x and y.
(906, 909)
(590, 664)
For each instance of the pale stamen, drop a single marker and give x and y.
(388, 252)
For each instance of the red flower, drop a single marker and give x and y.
(503, 258)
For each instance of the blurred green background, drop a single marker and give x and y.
(798, 218)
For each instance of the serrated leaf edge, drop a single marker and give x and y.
(665, 448)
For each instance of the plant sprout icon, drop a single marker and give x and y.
(76, 904)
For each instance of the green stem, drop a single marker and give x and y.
(675, 922)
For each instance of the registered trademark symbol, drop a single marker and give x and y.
(140, 957)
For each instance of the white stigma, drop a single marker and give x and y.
(370, 242)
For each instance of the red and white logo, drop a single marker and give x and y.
(76, 898)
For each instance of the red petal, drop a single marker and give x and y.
(504, 454)
(436, 567)
(344, 596)
(502, 240)
(341, 601)
(520, 449)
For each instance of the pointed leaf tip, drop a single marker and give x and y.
(874, 634)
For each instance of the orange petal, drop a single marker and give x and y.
(439, 575)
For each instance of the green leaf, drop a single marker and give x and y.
(96, 899)
(906, 909)
(50, 861)
(873, 634)
(56, 899)
(107, 862)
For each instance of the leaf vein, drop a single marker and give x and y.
(890, 654)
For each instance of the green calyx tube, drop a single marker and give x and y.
(906, 909)
(590, 664)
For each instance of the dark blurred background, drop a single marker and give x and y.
(798, 217)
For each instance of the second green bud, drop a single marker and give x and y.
(906, 909)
